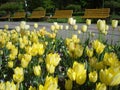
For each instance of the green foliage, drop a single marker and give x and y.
(2, 13)
(11, 6)
(112, 4)
(48, 5)
(73, 7)
(39, 8)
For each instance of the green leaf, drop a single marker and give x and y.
(0, 62)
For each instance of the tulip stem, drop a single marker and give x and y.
(112, 37)
(109, 88)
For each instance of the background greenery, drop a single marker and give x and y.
(78, 6)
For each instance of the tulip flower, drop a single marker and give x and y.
(68, 84)
(114, 23)
(37, 70)
(101, 86)
(93, 76)
(88, 21)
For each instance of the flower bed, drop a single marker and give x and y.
(39, 60)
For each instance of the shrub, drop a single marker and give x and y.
(10, 6)
(73, 7)
(39, 8)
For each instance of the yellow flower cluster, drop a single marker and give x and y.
(8, 86)
(77, 73)
(52, 60)
(74, 48)
(110, 76)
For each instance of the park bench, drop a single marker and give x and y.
(62, 14)
(37, 14)
(18, 15)
(97, 13)
(5, 17)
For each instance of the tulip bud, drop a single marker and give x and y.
(68, 85)
(10, 64)
(66, 27)
(17, 28)
(114, 23)
(93, 76)
(84, 28)
(88, 21)
(70, 21)
(75, 27)
(101, 86)
(79, 31)
(101, 25)
(35, 25)
(37, 70)
(6, 27)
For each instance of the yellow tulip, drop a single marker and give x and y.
(101, 86)
(98, 46)
(32, 88)
(37, 70)
(50, 68)
(41, 87)
(71, 74)
(51, 83)
(10, 64)
(35, 25)
(18, 75)
(75, 27)
(10, 86)
(84, 28)
(88, 21)
(75, 39)
(114, 23)
(53, 59)
(101, 25)
(24, 63)
(40, 49)
(89, 51)
(110, 59)
(81, 77)
(68, 84)
(12, 56)
(93, 76)
(110, 76)
(2, 86)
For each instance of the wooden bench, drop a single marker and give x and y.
(5, 17)
(97, 13)
(62, 14)
(18, 15)
(37, 15)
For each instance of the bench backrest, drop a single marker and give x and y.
(38, 13)
(97, 12)
(19, 14)
(63, 13)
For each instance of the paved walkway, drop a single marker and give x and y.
(66, 33)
